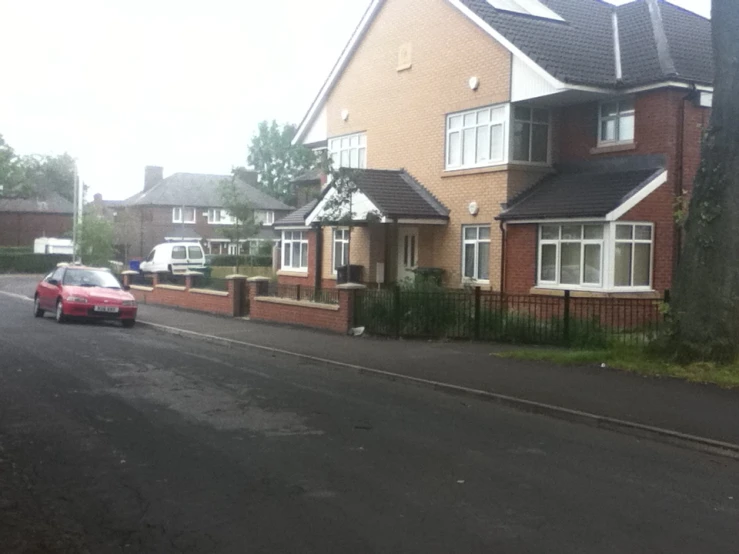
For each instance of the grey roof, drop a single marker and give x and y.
(51, 203)
(587, 189)
(666, 42)
(398, 195)
(297, 218)
(312, 176)
(202, 191)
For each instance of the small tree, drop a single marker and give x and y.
(339, 208)
(241, 211)
(96, 240)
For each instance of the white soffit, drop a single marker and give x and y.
(527, 83)
(318, 132)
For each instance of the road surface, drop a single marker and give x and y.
(115, 440)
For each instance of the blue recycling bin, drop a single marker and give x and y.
(134, 265)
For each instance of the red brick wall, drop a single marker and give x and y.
(188, 299)
(20, 229)
(306, 315)
(520, 270)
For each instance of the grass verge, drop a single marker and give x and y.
(634, 360)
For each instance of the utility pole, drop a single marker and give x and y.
(75, 226)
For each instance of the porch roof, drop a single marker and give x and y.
(598, 190)
(392, 195)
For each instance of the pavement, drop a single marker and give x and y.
(135, 441)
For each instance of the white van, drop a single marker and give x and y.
(174, 257)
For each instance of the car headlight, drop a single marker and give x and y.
(129, 304)
(78, 299)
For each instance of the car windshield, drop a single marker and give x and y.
(90, 278)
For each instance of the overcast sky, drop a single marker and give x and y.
(177, 83)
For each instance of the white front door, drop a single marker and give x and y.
(407, 252)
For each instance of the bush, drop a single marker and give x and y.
(249, 261)
(30, 263)
(16, 250)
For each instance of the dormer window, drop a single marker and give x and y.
(526, 7)
(616, 122)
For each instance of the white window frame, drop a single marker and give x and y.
(633, 241)
(620, 114)
(289, 238)
(215, 216)
(178, 214)
(350, 148)
(608, 257)
(583, 242)
(269, 218)
(476, 242)
(498, 116)
(531, 123)
(344, 240)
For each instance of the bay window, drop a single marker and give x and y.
(595, 255)
(616, 122)
(295, 250)
(476, 252)
(476, 138)
(349, 151)
(340, 248)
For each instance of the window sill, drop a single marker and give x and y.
(607, 148)
(593, 293)
(447, 173)
(292, 273)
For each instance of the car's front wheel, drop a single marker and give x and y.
(37, 311)
(60, 317)
(128, 323)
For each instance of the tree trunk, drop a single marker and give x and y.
(705, 309)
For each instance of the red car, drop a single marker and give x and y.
(84, 292)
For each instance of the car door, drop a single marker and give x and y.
(50, 288)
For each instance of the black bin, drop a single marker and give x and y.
(349, 274)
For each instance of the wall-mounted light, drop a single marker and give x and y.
(473, 208)
(474, 83)
(345, 114)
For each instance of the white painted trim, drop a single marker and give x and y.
(341, 63)
(359, 203)
(556, 83)
(292, 228)
(617, 47)
(645, 191)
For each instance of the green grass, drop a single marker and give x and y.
(634, 360)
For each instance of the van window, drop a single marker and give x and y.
(179, 253)
(150, 257)
(195, 252)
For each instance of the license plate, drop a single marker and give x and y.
(107, 309)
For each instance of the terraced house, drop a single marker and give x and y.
(519, 145)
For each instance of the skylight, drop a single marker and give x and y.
(528, 7)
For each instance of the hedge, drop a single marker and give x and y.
(249, 261)
(30, 263)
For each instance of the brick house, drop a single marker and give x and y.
(22, 220)
(522, 145)
(188, 206)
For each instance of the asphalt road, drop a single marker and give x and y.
(116, 440)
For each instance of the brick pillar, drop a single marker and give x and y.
(237, 291)
(347, 296)
(127, 277)
(190, 277)
(154, 279)
(259, 286)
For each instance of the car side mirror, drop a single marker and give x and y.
(53, 282)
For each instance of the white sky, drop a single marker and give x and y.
(177, 83)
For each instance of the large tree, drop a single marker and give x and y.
(13, 181)
(96, 240)
(277, 160)
(705, 308)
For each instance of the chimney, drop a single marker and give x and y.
(152, 175)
